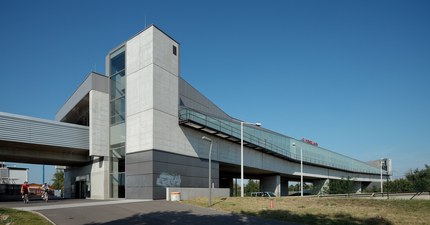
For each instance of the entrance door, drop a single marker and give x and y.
(80, 189)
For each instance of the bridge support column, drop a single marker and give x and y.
(365, 185)
(321, 186)
(67, 184)
(271, 183)
(227, 182)
(284, 187)
(357, 188)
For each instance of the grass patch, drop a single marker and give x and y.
(17, 217)
(314, 210)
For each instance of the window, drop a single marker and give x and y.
(174, 50)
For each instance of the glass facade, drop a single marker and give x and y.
(278, 144)
(117, 123)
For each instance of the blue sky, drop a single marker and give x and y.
(350, 75)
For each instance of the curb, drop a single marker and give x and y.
(43, 216)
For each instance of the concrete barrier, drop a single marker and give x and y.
(190, 193)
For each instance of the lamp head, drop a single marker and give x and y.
(206, 138)
(258, 124)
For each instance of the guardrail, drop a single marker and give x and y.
(264, 140)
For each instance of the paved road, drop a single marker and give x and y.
(65, 212)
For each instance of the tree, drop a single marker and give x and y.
(58, 181)
(399, 186)
(420, 179)
(235, 191)
(252, 186)
(295, 187)
(344, 186)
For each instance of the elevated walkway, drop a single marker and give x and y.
(32, 140)
(272, 143)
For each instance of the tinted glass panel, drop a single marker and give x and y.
(117, 85)
(117, 63)
(117, 110)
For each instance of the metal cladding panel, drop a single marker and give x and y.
(16, 128)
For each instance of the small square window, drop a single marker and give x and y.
(174, 50)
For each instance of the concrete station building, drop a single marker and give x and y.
(138, 129)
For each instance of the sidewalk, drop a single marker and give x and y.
(47, 206)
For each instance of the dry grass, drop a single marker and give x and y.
(17, 217)
(314, 210)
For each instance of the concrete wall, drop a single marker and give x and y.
(152, 92)
(149, 173)
(151, 112)
(191, 193)
(99, 123)
(139, 92)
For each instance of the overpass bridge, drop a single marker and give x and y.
(274, 143)
(31, 140)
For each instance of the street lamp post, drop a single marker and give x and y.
(301, 171)
(43, 174)
(382, 186)
(210, 169)
(301, 168)
(241, 154)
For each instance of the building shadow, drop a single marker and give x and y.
(246, 218)
(319, 219)
(188, 218)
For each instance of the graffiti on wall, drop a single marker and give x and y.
(169, 180)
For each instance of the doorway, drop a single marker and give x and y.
(82, 187)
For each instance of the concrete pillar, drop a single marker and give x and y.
(284, 187)
(357, 188)
(99, 123)
(321, 186)
(67, 184)
(227, 182)
(365, 185)
(99, 144)
(100, 178)
(271, 183)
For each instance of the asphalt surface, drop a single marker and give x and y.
(112, 212)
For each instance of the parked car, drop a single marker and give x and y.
(263, 194)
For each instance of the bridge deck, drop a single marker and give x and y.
(33, 140)
(272, 143)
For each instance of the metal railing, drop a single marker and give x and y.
(271, 143)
